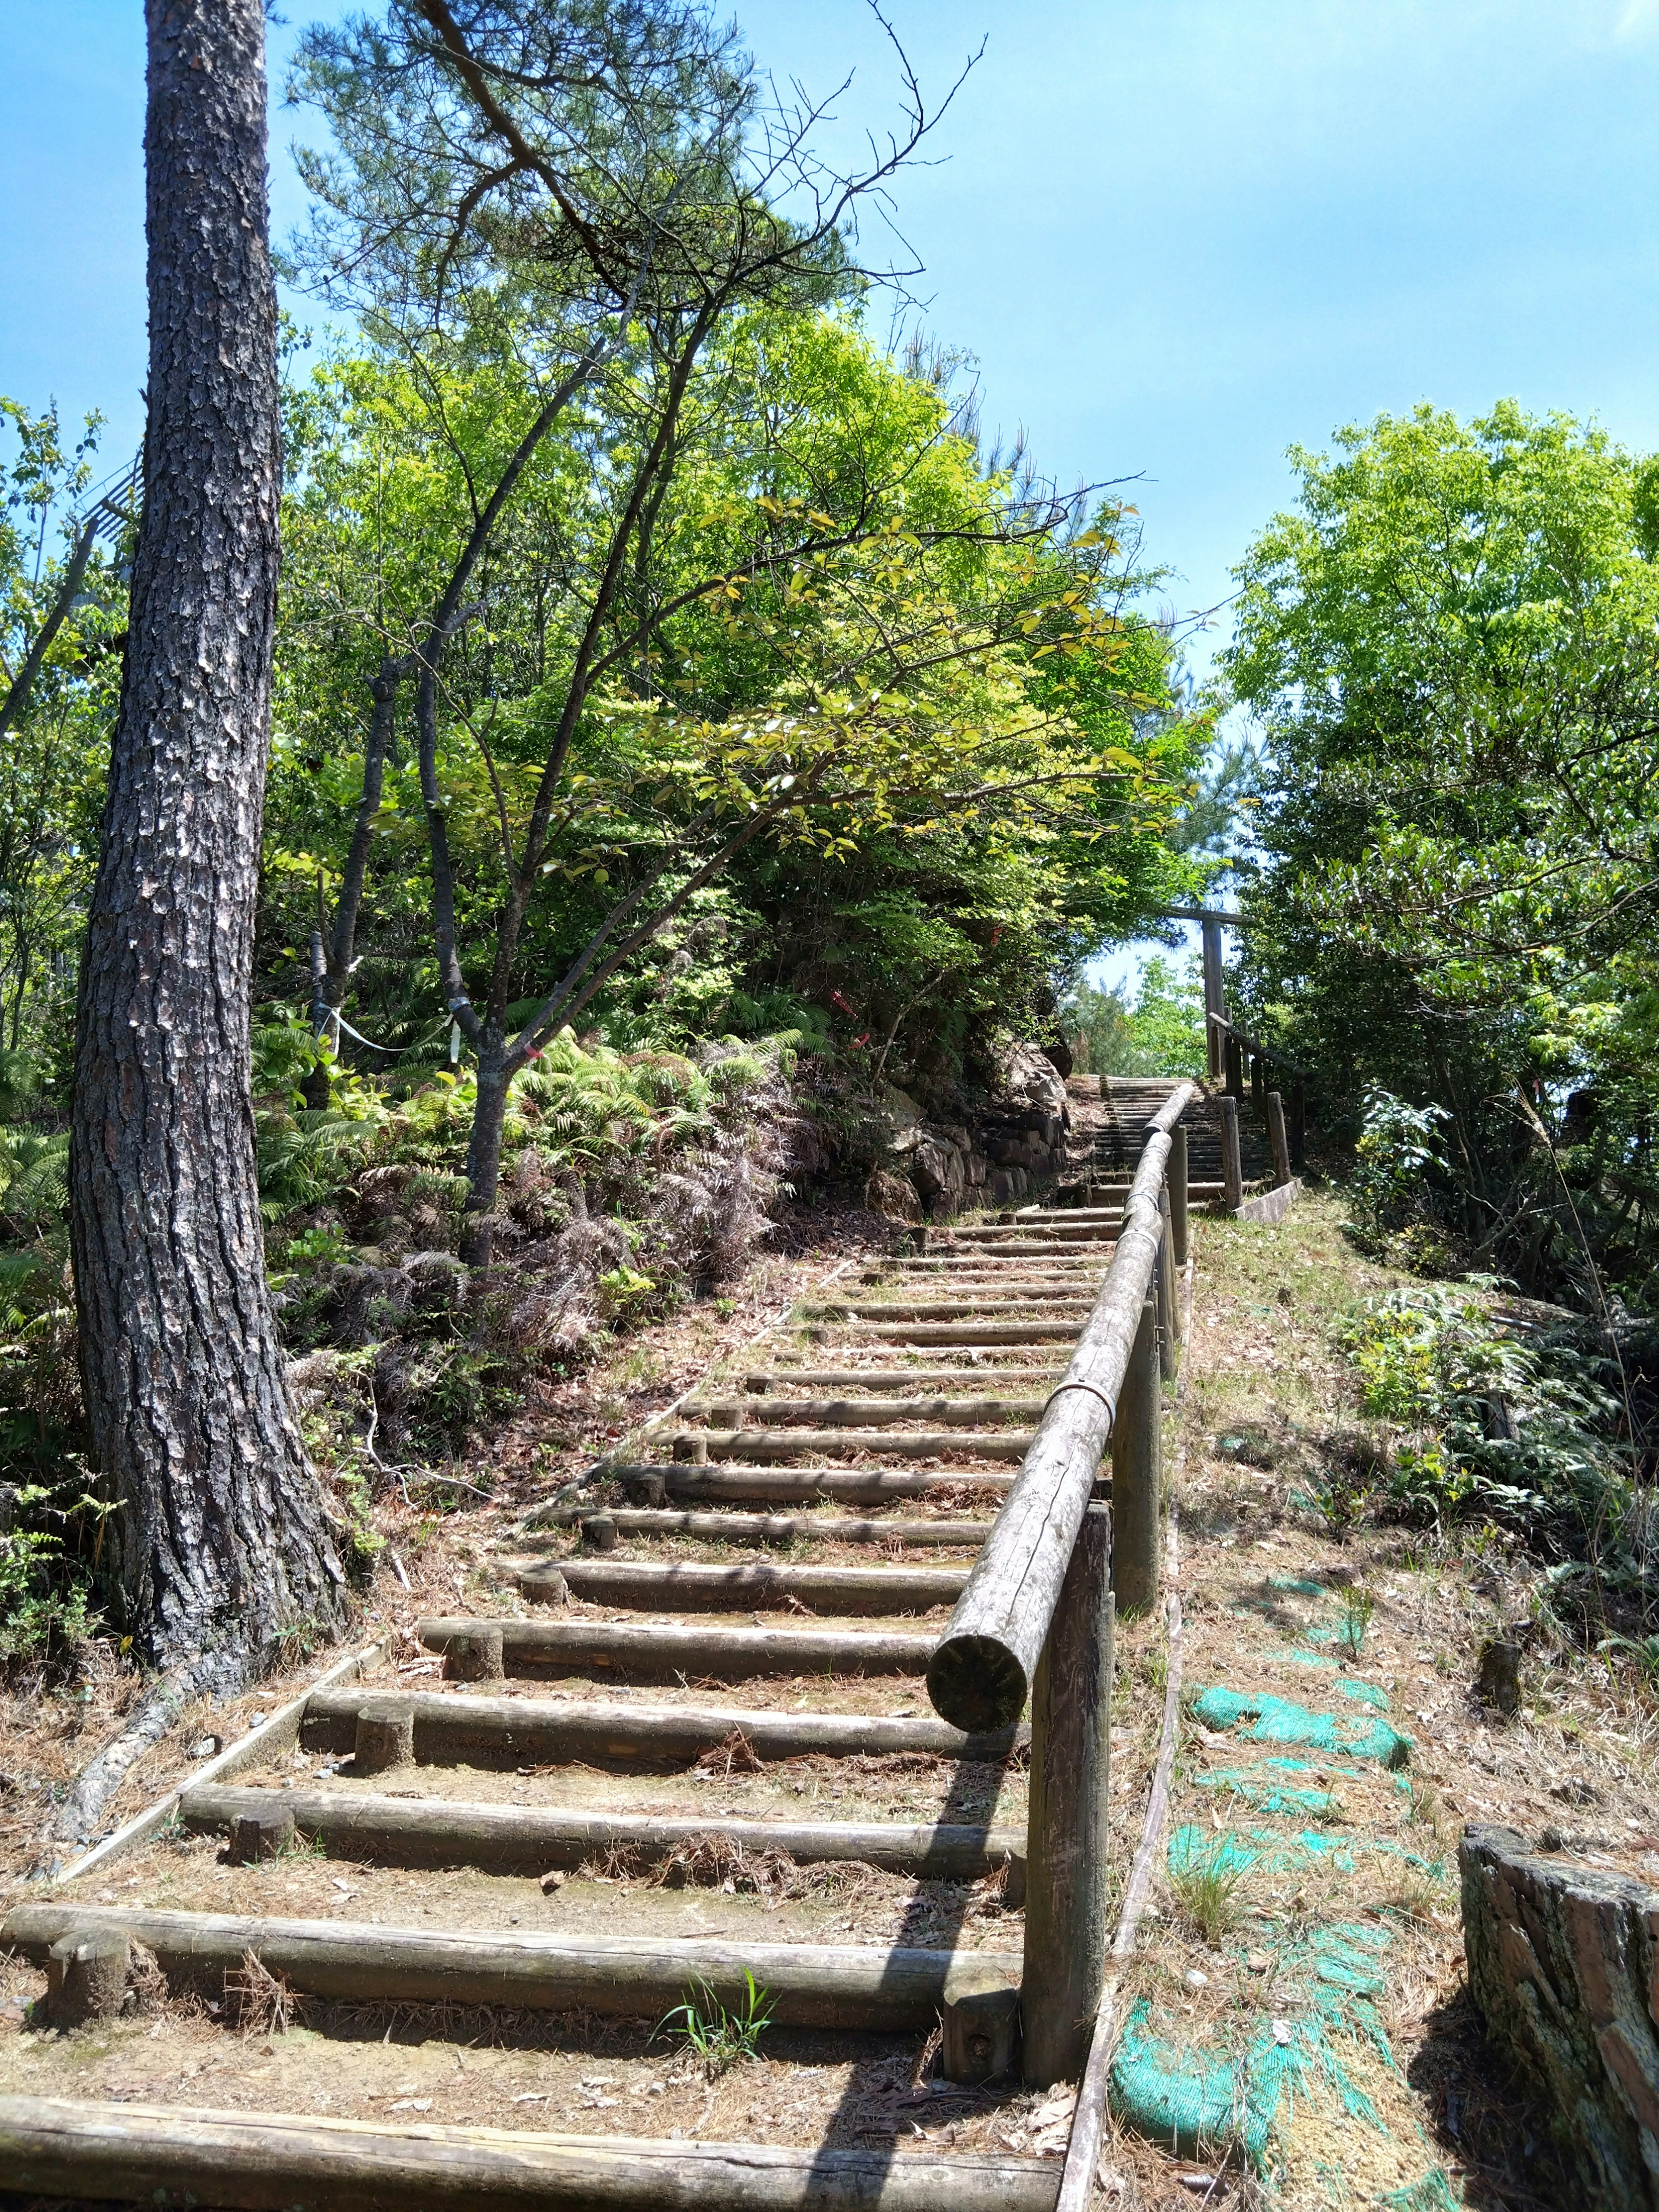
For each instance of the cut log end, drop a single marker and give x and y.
(977, 1684)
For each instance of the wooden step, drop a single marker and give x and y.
(874, 1413)
(431, 1832)
(946, 1533)
(666, 1585)
(192, 2155)
(653, 1651)
(790, 1485)
(458, 1728)
(990, 1304)
(846, 1986)
(893, 1444)
(1049, 1330)
(762, 1383)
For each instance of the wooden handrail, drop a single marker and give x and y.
(1255, 1046)
(985, 1661)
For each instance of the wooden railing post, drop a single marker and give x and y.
(1232, 1169)
(1258, 1080)
(1235, 1063)
(1136, 1473)
(1067, 1836)
(1279, 1141)
(1164, 1289)
(1175, 1183)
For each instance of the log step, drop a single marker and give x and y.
(800, 1444)
(1049, 1330)
(666, 1585)
(194, 2155)
(654, 1651)
(947, 1532)
(855, 1986)
(853, 1485)
(891, 1379)
(456, 1727)
(429, 1831)
(873, 1413)
(990, 1304)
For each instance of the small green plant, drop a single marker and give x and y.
(1206, 1892)
(721, 2035)
(1357, 1606)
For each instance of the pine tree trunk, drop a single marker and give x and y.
(224, 1534)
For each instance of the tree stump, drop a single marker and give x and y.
(476, 1655)
(87, 1976)
(386, 1735)
(1498, 1684)
(1560, 1959)
(600, 1533)
(262, 1835)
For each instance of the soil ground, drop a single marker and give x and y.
(1265, 1417)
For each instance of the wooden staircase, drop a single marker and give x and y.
(769, 1569)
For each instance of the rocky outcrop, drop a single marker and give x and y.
(938, 1162)
(1564, 1962)
(1024, 1128)
(1021, 1135)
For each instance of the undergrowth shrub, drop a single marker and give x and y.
(1536, 1426)
(630, 1181)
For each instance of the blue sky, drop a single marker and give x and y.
(1179, 235)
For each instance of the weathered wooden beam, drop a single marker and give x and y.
(1179, 1193)
(665, 1585)
(991, 1291)
(429, 1832)
(890, 1379)
(852, 1486)
(982, 1672)
(1232, 1170)
(872, 1988)
(183, 2155)
(1278, 1139)
(1137, 1473)
(1163, 1291)
(1069, 1831)
(894, 1444)
(1050, 1330)
(946, 1532)
(655, 1652)
(459, 1727)
(876, 1412)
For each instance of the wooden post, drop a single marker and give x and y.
(1068, 1834)
(1258, 1081)
(1280, 1143)
(1235, 1065)
(1298, 1123)
(1232, 1171)
(1215, 1002)
(1136, 1473)
(1175, 1184)
(1164, 1290)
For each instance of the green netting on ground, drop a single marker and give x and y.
(1164, 2089)
(1276, 1720)
(1303, 1588)
(1365, 1693)
(1435, 2192)
(1268, 1795)
(1195, 1848)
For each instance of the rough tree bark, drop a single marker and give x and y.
(224, 1536)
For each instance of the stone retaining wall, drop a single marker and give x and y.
(1564, 1963)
